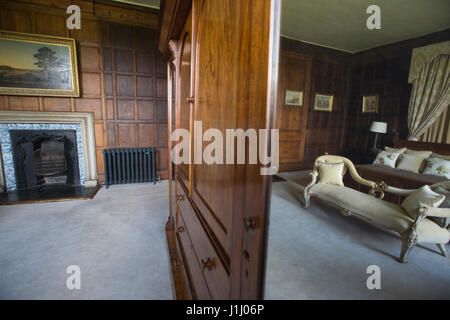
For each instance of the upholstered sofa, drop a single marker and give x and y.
(413, 228)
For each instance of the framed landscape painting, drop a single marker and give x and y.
(370, 104)
(293, 98)
(37, 65)
(323, 102)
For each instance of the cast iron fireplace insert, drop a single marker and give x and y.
(46, 168)
(45, 157)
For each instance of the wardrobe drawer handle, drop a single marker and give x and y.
(180, 197)
(208, 264)
(180, 229)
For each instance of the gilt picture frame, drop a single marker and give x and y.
(293, 98)
(370, 104)
(38, 65)
(323, 102)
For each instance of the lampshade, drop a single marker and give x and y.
(378, 127)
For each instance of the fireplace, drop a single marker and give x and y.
(42, 149)
(43, 157)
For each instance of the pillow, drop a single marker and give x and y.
(395, 150)
(424, 195)
(441, 156)
(438, 167)
(441, 221)
(424, 154)
(441, 190)
(411, 163)
(387, 158)
(331, 173)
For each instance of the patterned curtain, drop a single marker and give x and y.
(439, 131)
(430, 96)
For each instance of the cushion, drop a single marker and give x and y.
(431, 232)
(395, 150)
(387, 158)
(442, 222)
(424, 154)
(437, 167)
(437, 155)
(331, 173)
(425, 195)
(411, 163)
(441, 190)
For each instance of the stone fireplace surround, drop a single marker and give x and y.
(83, 121)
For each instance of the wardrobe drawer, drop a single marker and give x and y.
(192, 266)
(211, 266)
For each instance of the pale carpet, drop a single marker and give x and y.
(317, 253)
(117, 239)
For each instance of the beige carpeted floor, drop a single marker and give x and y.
(317, 253)
(117, 239)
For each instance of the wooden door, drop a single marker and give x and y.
(295, 74)
(231, 72)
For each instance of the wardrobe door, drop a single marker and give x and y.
(183, 104)
(232, 42)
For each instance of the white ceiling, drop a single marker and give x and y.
(341, 24)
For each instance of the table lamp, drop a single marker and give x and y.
(377, 127)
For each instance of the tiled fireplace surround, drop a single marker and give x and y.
(81, 122)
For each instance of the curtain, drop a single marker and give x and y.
(439, 131)
(430, 96)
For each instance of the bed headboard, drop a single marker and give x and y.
(441, 148)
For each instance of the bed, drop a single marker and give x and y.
(396, 177)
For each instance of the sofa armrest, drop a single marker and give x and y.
(350, 166)
(399, 191)
(430, 211)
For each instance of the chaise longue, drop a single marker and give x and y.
(411, 219)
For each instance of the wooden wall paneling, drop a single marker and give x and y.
(290, 119)
(382, 70)
(325, 71)
(100, 9)
(131, 92)
(97, 43)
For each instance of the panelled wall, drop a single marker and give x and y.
(304, 132)
(389, 80)
(122, 75)
(383, 71)
(136, 90)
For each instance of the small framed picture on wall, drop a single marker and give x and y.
(370, 104)
(323, 102)
(293, 98)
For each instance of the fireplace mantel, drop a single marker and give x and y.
(84, 119)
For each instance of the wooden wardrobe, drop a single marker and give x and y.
(222, 69)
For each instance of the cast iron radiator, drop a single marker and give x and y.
(129, 165)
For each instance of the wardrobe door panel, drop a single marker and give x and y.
(183, 112)
(231, 50)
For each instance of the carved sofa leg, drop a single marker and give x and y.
(441, 246)
(307, 200)
(409, 237)
(408, 243)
